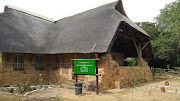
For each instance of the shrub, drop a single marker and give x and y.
(24, 88)
(41, 86)
(11, 90)
(45, 83)
(27, 87)
(1, 82)
(131, 61)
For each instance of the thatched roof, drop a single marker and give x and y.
(90, 31)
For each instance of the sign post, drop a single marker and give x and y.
(86, 67)
(97, 88)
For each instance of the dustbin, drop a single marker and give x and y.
(78, 88)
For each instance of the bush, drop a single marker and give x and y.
(176, 68)
(1, 82)
(11, 90)
(158, 72)
(24, 88)
(45, 83)
(131, 61)
(27, 87)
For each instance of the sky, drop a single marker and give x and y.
(136, 10)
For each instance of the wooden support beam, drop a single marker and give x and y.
(76, 76)
(124, 36)
(112, 43)
(97, 86)
(145, 45)
(136, 47)
(139, 48)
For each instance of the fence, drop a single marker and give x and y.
(160, 71)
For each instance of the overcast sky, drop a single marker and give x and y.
(137, 10)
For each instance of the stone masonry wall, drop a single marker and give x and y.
(115, 76)
(29, 73)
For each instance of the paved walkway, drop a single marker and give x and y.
(43, 95)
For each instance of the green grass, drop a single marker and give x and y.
(165, 77)
(58, 99)
(174, 79)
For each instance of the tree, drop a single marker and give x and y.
(168, 43)
(165, 33)
(150, 28)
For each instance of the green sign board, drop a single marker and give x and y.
(84, 67)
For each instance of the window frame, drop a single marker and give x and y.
(39, 62)
(18, 61)
(92, 56)
(56, 62)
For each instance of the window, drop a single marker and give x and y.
(56, 61)
(18, 61)
(92, 56)
(39, 62)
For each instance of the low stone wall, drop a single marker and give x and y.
(115, 76)
(120, 77)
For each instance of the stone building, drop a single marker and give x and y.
(31, 44)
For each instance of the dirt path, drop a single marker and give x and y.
(147, 92)
(128, 94)
(43, 95)
(5, 97)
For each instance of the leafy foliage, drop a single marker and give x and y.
(1, 82)
(24, 88)
(168, 22)
(131, 61)
(150, 28)
(11, 90)
(165, 33)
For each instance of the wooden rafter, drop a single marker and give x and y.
(128, 37)
(112, 42)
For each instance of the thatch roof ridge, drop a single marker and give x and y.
(28, 12)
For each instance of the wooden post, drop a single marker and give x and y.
(76, 77)
(97, 87)
(139, 50)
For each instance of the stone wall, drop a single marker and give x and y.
(13, 76)
(118, 57)
(115, 76)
